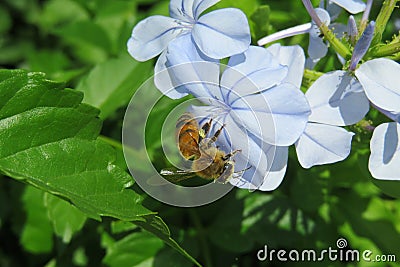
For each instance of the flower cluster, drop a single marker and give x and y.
(257, 96)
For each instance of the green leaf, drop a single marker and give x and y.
(37, 233)
(122, 226)
(5, 21)
(260, 19)
(114, 17)
(111, 84)
(47, 139)
(247, 6)
(60, 12)
(136, 249)
(54, 63)
(157, 227)
(66, 219)
(89, 41)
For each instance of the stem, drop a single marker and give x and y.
(382, 19)
(386, 50)
(342, 49)
(312, 74)
(201, 233)
(395, 57)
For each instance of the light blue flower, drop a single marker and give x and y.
(326, 12)
(218, 34)
(336, 99)
(260, 109)
(379, 78)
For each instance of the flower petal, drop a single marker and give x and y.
(380, 80)
(278, 169)
(352, 6)
(289, 32)
(200, 5)
(162, 79)
(384, 161)
(362, 45)
(190, 70)
(336, 98)
(151, 36)
(181, 9)
(333, 10)
(222, 33)
(317, 48)
(322, 144)
(391, 115)
(277, 116)
(251, 72)
(293, 57)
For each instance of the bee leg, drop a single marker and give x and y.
(229, 155)
(227, 174)
(205, 129)
(217, 133)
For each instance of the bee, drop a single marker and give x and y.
(208, 161)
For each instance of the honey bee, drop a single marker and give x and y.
(208, 161)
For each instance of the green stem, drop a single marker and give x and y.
(382, 19)
(395, 57)
(201, 233)
(312, 74)
(386, 50)
(342, 49)
(339, 47)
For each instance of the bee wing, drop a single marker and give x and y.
(170, 175)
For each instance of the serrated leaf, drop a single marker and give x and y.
(111, 84)
(66, 219)
(47, 139)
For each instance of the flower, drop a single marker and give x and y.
(253, 98)
(325, 14)
(218, 34)
(336, 99)
(379, 78)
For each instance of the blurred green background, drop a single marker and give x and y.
(83, 43)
